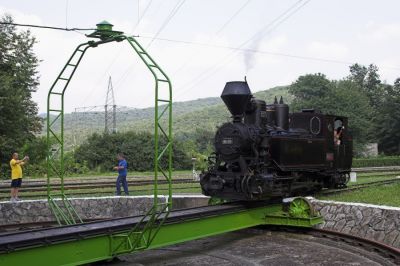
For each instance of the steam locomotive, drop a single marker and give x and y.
(265, 152)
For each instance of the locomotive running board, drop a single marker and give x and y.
(103, 240)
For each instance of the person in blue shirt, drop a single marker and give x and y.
(122, 169)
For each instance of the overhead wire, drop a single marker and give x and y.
(173, 12)
(220, 29)
(241, 8)
(218, 46)
(176, 8)
(66, 13)
(161, 28)
(45, 27)
(216, 34)
(141, 16)
(259, 34)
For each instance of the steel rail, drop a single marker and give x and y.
(105, 193)
(389, 251)
(40, 187)
(358, 186)
(383, 249)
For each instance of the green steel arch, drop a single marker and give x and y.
(58, 201)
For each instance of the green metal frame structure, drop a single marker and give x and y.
(108, 245)
(58, 201)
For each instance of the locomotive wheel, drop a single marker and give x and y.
(301, 208)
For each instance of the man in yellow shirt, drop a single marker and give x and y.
(16, 175)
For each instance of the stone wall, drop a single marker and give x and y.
(30, 211)
(379, 223)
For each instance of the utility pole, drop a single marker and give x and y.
(110, 110)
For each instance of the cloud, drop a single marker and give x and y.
(380, 33)
(332, 50)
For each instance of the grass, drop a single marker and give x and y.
(371, 177)
(380, 195)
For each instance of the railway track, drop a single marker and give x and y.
(375, 169)
(389, 253)
(105, 185)
(358, 186)
(381, 248)
(85, 179)
(111, 191)
(38, 187)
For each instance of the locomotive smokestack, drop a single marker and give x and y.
(236, 95)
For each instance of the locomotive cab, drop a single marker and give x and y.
(339, 143)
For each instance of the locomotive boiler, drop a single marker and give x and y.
(265, 152)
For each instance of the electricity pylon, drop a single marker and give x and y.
(110, 110)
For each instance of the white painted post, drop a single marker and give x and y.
(353, 177)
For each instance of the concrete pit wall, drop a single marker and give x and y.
(379, 223)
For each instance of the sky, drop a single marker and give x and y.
(278, 41)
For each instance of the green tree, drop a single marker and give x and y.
(368, 79)
(18, 80)
(310, 91)
(343, 97)
(99, 151)
(358, 73)
(388, 123)
(36, 148)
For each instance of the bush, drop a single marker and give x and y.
(5, 171)
(70, 167)
(378, 161)
(99, 151)
(36, 169)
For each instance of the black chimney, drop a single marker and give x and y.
(236, 96)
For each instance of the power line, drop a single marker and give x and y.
(233, 17)
(138, 11)
(226, 23)
(241, 8)
(141, 16)
(178, 5)
(328, 60)
(259, 34)
(66, 13)
(228, 56)
(173, 12)
(44, 27)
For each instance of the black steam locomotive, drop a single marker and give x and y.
(265, 152)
